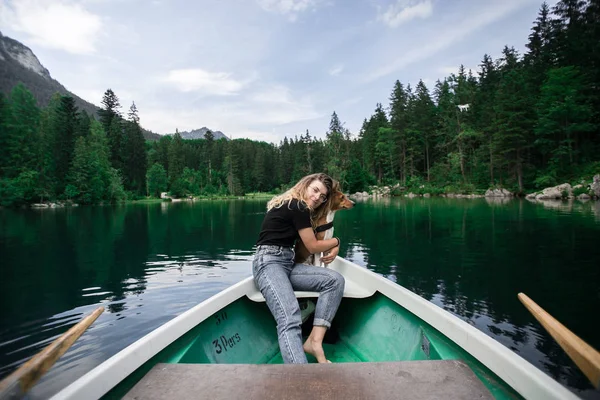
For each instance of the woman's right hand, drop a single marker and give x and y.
(330, 256)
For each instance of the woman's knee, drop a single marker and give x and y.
(336, 279)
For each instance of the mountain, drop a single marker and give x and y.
(199, 134)
(19, 64)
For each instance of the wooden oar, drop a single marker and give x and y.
(584, 355)
(19, 382)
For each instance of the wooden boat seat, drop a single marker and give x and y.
(439, 379)
(351, 289)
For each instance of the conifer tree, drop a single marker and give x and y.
(514, 117)
(382, 143)
(135, 153)
(110, 117)
(570, 32)
(64, 129)
(209, 137)
(423, 121)
(539, 56)
(399, 125)
(334, 145)
(483, 109)
(176, 158)
(20, 138)
(563, 116)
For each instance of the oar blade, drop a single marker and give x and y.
(25, 377)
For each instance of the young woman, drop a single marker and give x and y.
(289, 218)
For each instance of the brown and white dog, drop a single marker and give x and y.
(337, 201)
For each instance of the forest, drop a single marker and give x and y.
(521, 122)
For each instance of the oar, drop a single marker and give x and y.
(19, 382)
(584, 355)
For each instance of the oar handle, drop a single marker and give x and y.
(582, 354)
(19, 382)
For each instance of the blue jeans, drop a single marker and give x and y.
(277, 277)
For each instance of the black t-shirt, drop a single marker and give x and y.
(281, 225)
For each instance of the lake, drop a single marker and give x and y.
(148, 263)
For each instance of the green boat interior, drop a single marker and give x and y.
(373, 329)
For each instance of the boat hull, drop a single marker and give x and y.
(377, 321)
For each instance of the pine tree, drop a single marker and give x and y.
(384, 154)
(286, 162)
(111, 104)
(563, 116)
(592, 73)
(209, 137)
(162, 150)
(399, 124)
(381, 142)
(135, 153)
(64, 143)
(514, 122)
(83, 124)
(539, 57)
(570, 32)
(117, 143)
(423, 122)
(176, 159)
(91, 178)
(259, 170)
(448, 128)
(308, 142)
(20, 138)
(334, 144)
(110, 117)
(483, 108)
(357, 177)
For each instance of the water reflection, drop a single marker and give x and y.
(149, 263)
(471, 257)
(145, 264)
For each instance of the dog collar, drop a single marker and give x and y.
(325, 227)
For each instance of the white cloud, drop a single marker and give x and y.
(456, 31)
(405, 10)
(196, 79)
(336, 70)
(291, 8)
(259, 115)
(56, 24)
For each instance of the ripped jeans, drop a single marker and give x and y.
(277, 277)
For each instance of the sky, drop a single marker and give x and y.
(260, 69)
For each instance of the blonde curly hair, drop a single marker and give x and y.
(298, 192)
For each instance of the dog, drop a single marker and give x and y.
(337, 201)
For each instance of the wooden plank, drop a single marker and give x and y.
(585, 356)
(19, 382)
(447, 379)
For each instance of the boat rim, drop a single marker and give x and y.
(522, 376)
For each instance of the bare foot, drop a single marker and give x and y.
(316, 350)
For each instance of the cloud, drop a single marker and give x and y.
(455, 31)
(259, 114)
(336, 70)
(405, 10)
(56, 24)
(210, 83)
(291, 8)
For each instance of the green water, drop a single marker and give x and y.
(148, 263)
